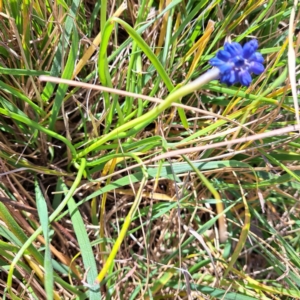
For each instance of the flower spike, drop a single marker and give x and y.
(236, 63)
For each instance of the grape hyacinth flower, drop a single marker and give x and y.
(236, 63)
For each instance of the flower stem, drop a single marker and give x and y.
(211, 74)
(137, 124)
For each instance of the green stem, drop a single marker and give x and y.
(147, 118)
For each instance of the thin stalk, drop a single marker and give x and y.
(142, 121)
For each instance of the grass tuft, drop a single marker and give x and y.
(120, 182)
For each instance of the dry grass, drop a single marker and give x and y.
(137, 212)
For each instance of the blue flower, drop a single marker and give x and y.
(236, 63)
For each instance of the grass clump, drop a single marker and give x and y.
(142, 188)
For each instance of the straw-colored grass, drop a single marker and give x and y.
(113, 186)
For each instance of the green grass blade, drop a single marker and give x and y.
(27, 242)
(67, 74)
(85, 246)
(61, 49)
(43, 216)
(39, 127)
